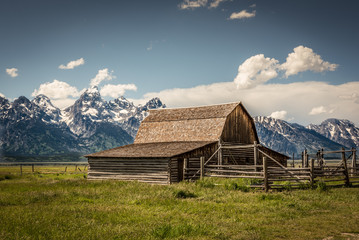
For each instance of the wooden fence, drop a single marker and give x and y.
(277, 176)
(43, 167)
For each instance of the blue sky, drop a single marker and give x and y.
(294, 60)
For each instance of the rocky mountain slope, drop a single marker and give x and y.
(91, 124)
(289, 138)
(338, 130)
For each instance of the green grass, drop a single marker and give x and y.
(68, 206)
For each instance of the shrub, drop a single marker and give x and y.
(236, 186)
(205, 184)
(7, 177)
(184, 194)
(322, 186)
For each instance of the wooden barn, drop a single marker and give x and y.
(171, 142)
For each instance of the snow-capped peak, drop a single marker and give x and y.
(339, 130)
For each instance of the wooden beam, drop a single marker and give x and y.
(346, 174)
(265, 174)
(201, 160)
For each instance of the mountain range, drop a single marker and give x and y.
(288, 138)
(36, 128)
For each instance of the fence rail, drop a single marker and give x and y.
(35, 167)
(345, 173)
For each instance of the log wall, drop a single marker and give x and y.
(150, 170)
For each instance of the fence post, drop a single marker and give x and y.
(185, 166)
(306, 158)
(322, 158)
(220, 155)
(201, 161)
(255, 155)
(293, 161)
(312, 171)
(346, 174)
(302, 159)
(318, 158)
(33, 168)
(265, 174)
(21, 169)
(354, 161)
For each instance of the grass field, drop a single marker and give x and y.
(68, 206)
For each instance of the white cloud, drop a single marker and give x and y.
(63, 103)
(149, 48)
(12, 72)
(216, 3)
(102, 75)
(351, 97)
(320, 110)
(73, 64)
(56, 90)
(59, 92)
(242, 14)
(116, 91)
(2, 95)
(304, 59)
(279, 114)
(256, 70)
(265, 99)
(188, 4)
(253, 5)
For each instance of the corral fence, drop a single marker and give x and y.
(269, 173)
(42, 167)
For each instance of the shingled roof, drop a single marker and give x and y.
(184, 124)
(142, 150)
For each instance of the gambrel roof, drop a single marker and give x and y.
(184, 124)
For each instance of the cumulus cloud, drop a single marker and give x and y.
(116, 91)
(63, 103)
(242, 14)
(56, 90)
(259, 69)
(188, 4)
(2, 95)
(73, 64)
(102, 75)
(216, 3)
(265, 99)
(351, 97)
(304, 59)
(59, 92)
(279, 115)
(256, 70)
(320, 110)
(12, 72)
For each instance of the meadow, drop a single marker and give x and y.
(68, 206)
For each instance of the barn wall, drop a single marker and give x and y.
(205, 151)
(277, 156)
(173, 171)
(150, 170)
(239, 127)
(192, 162)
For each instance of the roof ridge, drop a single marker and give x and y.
(175, 120)
(202, 106)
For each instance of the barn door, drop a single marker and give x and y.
(180, 162)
